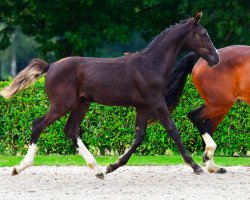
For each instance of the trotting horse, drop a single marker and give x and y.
(220, 87)
(137, 80)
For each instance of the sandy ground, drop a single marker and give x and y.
(168, 182)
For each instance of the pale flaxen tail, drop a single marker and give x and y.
(26, 77)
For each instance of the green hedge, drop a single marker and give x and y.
(111, 129)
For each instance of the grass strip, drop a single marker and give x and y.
(62, 160)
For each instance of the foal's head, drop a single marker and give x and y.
(199, 41)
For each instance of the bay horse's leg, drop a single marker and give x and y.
(206, 120)
(142, 115)
(163, 115)
(38, 126)
(194, 117)
(202, 122)
(72, 131)
(209, 162)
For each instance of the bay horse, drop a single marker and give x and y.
(219, 86)
(137, 80)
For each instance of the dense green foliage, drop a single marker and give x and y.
(110, 130)
(78, 27)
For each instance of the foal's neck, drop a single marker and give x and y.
(164, 53)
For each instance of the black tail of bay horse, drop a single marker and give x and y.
(137, 80)
(177, 81)
(178, 78)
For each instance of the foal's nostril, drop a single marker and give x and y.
(217, 59)
(213, 60)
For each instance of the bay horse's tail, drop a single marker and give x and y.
(26, 77)
(177, 81)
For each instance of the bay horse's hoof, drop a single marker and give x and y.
(100, 176)
(221, 171)
(198, 171)
(14, 172)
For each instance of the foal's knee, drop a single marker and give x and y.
(172, 130)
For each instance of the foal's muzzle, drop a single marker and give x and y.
(213, 59)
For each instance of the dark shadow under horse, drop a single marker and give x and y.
(139, 80)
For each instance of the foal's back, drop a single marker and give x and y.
(227, 81)
(109, 81)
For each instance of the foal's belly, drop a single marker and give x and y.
(114, 98)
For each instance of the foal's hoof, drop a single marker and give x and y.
(198, 171)
(100, 176)
(14, 172)
(221, 171)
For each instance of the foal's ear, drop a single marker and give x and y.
(197, 17)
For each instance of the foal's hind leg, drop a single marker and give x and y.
(72, 129)
(141, 125)
(38, 126)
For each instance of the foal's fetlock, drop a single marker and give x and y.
(18, 169)
(118, 163)
(111, 168)
(197, 169)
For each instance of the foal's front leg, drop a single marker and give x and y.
(161, 111)
(141, 125)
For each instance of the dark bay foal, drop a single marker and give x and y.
(137, 80)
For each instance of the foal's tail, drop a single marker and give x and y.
(177, 81)
(26, 77)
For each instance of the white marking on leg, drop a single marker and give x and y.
(28, 159)
(88, 157)
(211, 166)
(210, 145)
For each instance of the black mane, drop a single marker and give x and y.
(159, 37)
